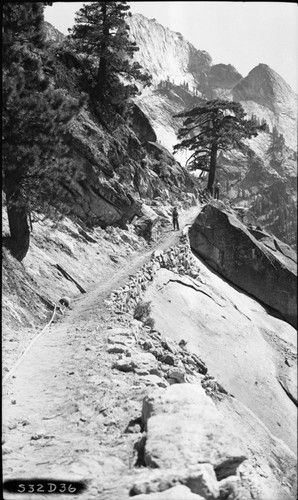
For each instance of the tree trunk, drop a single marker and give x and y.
(212, 168)
(102, 67)
(101, 77)
(18, 225)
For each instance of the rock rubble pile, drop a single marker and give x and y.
(161, 362)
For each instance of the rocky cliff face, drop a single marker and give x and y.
(117, 166)
(182, 75)
(265, 93)
(52, 34)
(223, 76)
(166, 54)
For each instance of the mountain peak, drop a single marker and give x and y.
(166, 53)
(264, 86)
(51, 33)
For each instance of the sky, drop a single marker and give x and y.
(243, 34)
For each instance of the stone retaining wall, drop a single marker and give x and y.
(178, 259)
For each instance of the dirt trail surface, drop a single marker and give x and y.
(65, 410)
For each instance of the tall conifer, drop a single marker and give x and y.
(211, 127)
(34, 117)
(101, 36)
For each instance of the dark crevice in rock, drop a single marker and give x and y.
(228, 467)
(134, 423)
(139, 448)
(235, 307)
(194, 288)
(288, 393)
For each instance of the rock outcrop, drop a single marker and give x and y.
(141, 125)
(265, 269)
(266, 94)
(223, 76)
(165, 53)
(52, 34)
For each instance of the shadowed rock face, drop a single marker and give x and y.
(224, 76)
(141, 125)
(262, 269)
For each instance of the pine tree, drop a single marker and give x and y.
(265, 125)
(101, 36)
(34, 117)
(212, 127)
(277, 150)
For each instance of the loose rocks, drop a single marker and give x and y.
(142, 363)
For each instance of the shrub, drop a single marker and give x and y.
(142, 310)
(149, 322)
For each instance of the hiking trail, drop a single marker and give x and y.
(64, 409)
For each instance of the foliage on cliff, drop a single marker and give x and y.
(35, 116)
(101, 37)
(39, 104)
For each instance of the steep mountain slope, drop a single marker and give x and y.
(118, 389)
(115, 156)
(264, 92)
(102, 398)
(182, 75)
(166, 54)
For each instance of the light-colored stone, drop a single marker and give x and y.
(145, 361)
(200, 479)
(124, 340)
(170, 345)
(179, 492)
(185, 428)
(154, 380)
(123, 365)
(232, 489)
(178, 374)
(141, 363)
(118, 330)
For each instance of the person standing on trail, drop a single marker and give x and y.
(216, 189)
(175, 219)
